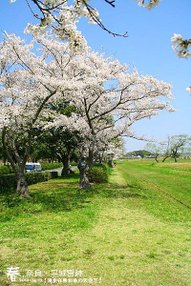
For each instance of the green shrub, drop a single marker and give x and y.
(36, 177)
(5, 169)
(8, 181)
(49, 166)
(98, 174)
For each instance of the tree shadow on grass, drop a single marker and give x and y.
(119, 191)
(71, 197)
(62, 200)
(53, 196)
(60, 195)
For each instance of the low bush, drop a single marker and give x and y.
(50, 166)
(5, 169)
(8, 181)
(98, 174)
(37, 177)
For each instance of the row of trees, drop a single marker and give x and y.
(76, 97)
(174, 147)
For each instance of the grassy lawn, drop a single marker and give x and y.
(135, 230)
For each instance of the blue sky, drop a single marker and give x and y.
(147, 47)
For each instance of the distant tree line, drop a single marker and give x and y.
(174, 147)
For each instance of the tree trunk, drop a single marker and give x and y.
(90, 159)
(110, 163)
(165, 158)
(17, 162)
(66, 165)
(84, 181)
(22, 187)
(100, 159)
(4, 160)
(156, 159)
(83, 168)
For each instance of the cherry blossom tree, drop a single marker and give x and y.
(61, 141)
(112, 100)
(108, 98)
(29, 82)
(175, 145)
(63, 15)
(156, 149)
(121, 99)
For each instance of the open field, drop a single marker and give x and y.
(135, 230)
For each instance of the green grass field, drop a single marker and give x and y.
(135, 230)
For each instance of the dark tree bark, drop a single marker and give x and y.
(156, 158)
(65, 160)
(175, 154)
(66, 165)
(165, 157)
(17, 164)
(110, 163)
(22, 187)
(101, 158)
(83, 168)
(90, 159)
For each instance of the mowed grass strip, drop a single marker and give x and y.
(167, 187)
(123, 233)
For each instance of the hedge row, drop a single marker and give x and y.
(50, 166)
(34, 178)
(6, 169)
(98, 174)
(8, 181)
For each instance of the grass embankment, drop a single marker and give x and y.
(136, 230)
